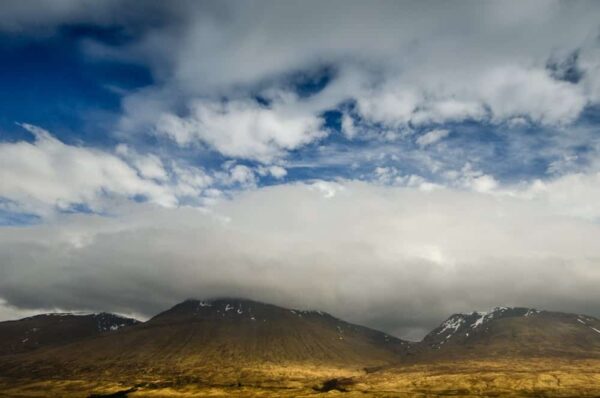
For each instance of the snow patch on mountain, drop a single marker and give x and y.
(453, 323)
(586, 324)
(468, 325)
(532, 311)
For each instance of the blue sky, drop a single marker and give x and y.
(109, 109)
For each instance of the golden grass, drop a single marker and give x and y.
(503, 378)
(532, 377)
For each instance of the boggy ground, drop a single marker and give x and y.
(486, 378)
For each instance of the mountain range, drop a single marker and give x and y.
(233, 343)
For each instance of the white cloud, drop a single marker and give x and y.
(393, 108)
(278, 171)
(393, 176)
(327, 188)
(191, 181)
(348, 127)
(495, 93)
(448, 110)
(243, 175)
(244, 129)
(512, 92)
(566, 163)
(275, 171)
(385, 175)
(48, 173)
(472, 179)
(431, 137)
(149, 166)
(483, 183)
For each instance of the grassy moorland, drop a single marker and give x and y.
(544, 377)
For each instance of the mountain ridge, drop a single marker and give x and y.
(235, 302)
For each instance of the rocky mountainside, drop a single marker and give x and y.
(515, 332)
(56, 328)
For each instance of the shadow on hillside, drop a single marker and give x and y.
(340, 384)
(118, 394)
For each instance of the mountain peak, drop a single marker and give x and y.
(466, 324)
(230, 309)
(516, 329)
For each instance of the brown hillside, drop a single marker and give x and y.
(214, 338)
(53, 329)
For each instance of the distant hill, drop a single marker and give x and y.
(244, 332)
(514, 332)
(56, 328)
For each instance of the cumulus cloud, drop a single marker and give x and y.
(241, 174)
(406, 260)
(244, 129)
(191, 182)
(46, 175)
(496, 94)
(275, 171)
(512, 92)
(49, 173)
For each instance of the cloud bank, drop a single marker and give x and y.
(394, 258)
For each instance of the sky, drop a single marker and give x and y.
(389, 162)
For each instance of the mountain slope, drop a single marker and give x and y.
(244, 328)
(212, 338)
(57, 328)
(515, 332)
